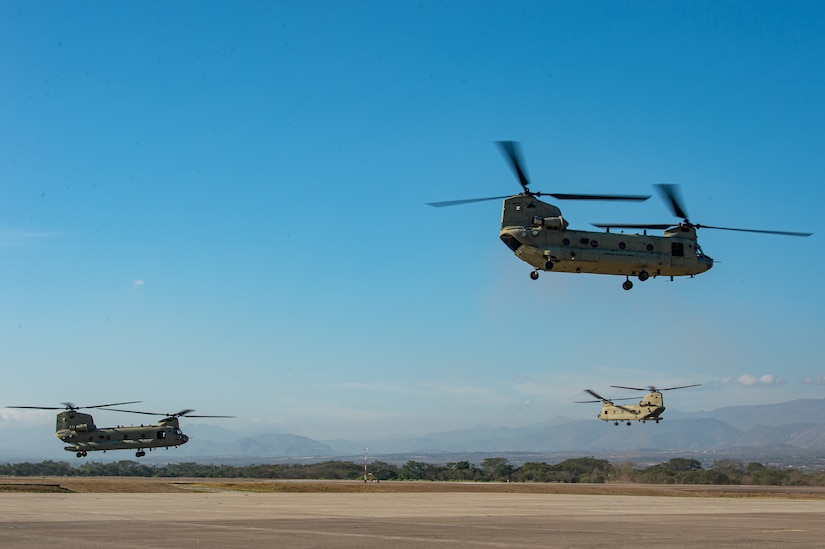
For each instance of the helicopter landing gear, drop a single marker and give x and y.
(643, 275)
(627, 284)
(548, 265)
(534, 275)
(616, 423)
(140, 453)
(628, 424)
(81, 454)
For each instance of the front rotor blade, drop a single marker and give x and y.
(784, 233)
(188, 415)
(626, 197)
(671, 196)
(464, 201)
(113, 404)
(681, 387)
(512, 152)
(631, 388)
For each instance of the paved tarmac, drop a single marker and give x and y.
(405, 520)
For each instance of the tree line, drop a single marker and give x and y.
(496, 469)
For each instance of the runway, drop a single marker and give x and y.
(403, 520)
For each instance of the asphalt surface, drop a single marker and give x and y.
(407, 520)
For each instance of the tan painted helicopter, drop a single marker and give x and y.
(649, 408)
(83, 436)
(538, 234)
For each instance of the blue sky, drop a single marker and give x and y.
(221, 206)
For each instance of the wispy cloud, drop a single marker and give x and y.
(819, 380)
(138, 283)
(20, 238)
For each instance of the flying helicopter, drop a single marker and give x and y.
(649, 408)
(537, 233)
(80, 432)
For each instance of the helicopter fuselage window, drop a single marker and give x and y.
(677, 249)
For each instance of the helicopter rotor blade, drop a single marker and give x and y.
(659, 226)
(38, 407)
(623, 197)
(133, 412)
(446, 203)
(631, 388)
(72, 406)
(680, 387)
(672, 197)
(762, 231)
(512, 152)
(632, 411)
(112, 404)
(594, 394)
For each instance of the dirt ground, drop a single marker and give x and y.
(183, 485)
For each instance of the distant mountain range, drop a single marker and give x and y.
(790, 428)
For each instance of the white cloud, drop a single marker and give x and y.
(748, 380)
(138, 283)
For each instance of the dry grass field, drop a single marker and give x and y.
(123, 485)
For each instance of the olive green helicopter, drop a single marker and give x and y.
(79, 431)
(649, 408)
(537, 233)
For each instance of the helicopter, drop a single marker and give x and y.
(649, 408)
(536, 233)
(80, 432)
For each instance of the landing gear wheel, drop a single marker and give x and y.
(627, 284)
(548, 265)
(80, 454)
(628, 424)
(615, 423)
(140, 453)
(534, 275)
(644, 275)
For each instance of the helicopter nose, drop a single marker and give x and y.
(185, 439)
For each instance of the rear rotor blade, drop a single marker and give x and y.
(464, 201)
(670, 194)
(133, 412)
(660, 226)
(512, 152)
(37, 407)
(681, 387)
(631, 388)
(623, 197)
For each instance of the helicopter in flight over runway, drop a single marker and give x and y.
(649, 408)
(83, 436)
(537, 233)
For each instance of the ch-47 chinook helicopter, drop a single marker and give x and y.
(83, 436)
(538, 234)
(649, 408)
